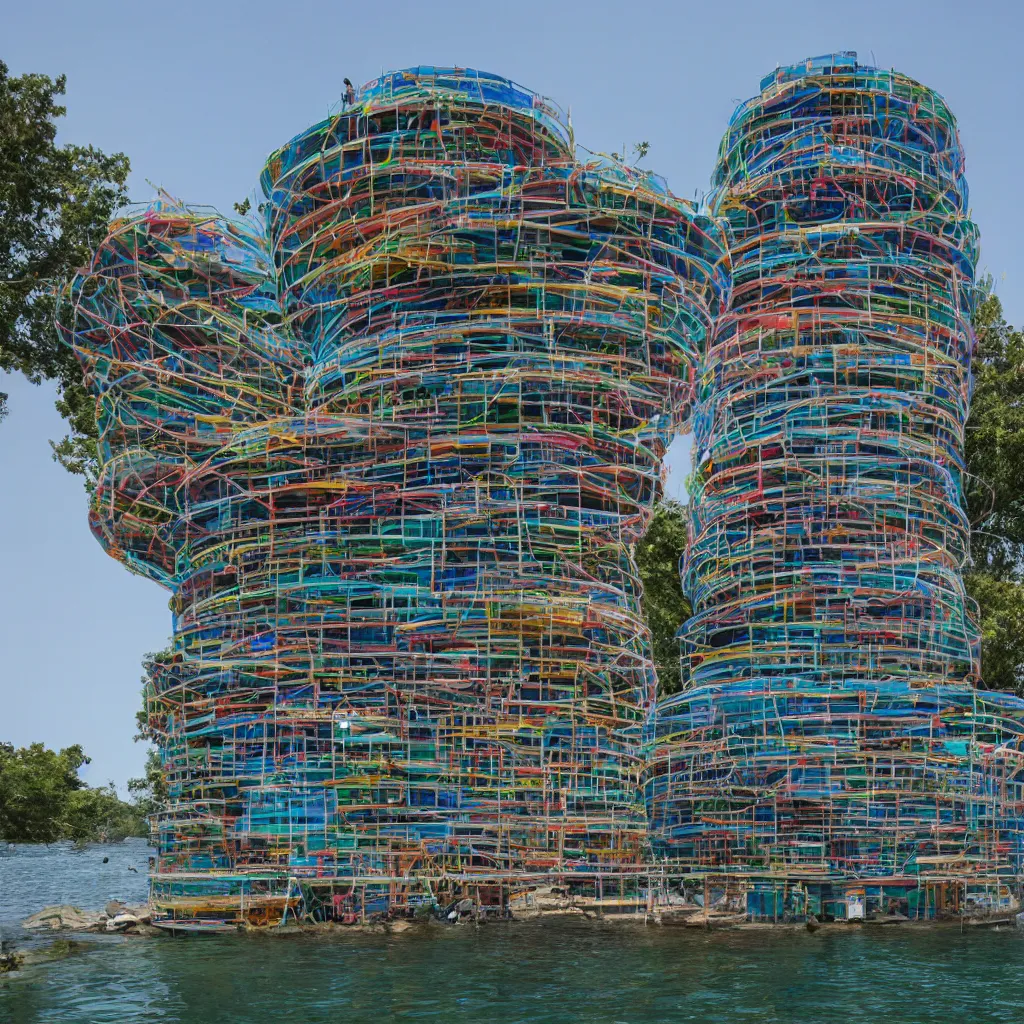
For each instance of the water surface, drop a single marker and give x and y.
(497, 974)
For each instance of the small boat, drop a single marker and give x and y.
(196, 926)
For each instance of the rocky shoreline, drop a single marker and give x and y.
(71, 925)
(116, 917)
(119, 918)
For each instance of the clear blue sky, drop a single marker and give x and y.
(198, 93)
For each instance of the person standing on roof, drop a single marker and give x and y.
(349, 96)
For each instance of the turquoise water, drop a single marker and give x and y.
(498, 974)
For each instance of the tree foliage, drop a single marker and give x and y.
(35, 787)
(42, 799)
(55, 205)
(150, 790)
(994, 445)
(995, 495)
(657, 556)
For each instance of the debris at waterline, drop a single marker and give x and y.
(117, 917)
(10, 959)
(545, 903)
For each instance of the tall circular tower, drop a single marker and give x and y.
(391, 454)
(832, 645)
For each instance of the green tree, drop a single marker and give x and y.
(35, 785)
(42, 799)
(56, 202)
(994, 444)
(995, 498)
(98, 813)
(150, 790)
(657, 556)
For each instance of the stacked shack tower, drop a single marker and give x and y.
(831, 748)
(390, 447)
(390, 453)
